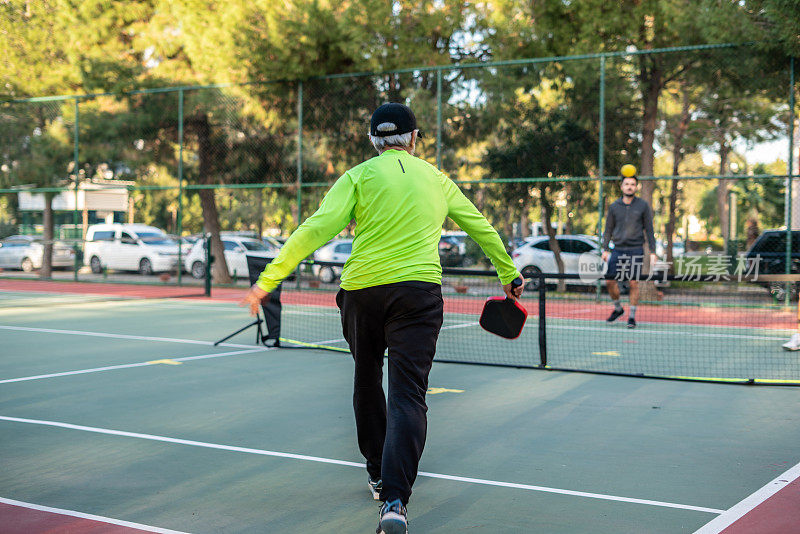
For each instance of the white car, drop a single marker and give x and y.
(536, 257)
(129, 247)
(338, 251)
(26, 252)
(237, 248)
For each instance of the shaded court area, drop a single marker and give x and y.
(121, 409)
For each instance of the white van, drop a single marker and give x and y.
(129, 247)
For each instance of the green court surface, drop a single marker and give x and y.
(123, 409)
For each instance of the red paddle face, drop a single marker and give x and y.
(503, 317)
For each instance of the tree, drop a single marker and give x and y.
(553, 145)
(677, 135)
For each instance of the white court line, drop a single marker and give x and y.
(670, 332)
(130, 365)
(737, 511)
(462, 325)
(99, 518)
(319, 459)
(341, 340)
(121, 336)
(168, 303)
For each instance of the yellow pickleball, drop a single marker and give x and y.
(628, 170)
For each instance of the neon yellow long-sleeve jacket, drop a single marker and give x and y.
(399, 203)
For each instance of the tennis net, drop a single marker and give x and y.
(710, 328)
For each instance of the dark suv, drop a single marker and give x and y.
(770, 250)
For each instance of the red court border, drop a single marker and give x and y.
(782, 319)
(23, 518)
(773, 509)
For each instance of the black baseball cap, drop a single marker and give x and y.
(398, 114)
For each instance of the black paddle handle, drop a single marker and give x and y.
(515, 283)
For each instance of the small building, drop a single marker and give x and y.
(98, 201)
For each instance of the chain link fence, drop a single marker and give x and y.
(533, 143)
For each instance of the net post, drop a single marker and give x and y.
(209, 260)
(542, 329)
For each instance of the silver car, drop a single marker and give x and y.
(337, 250)
(26, 252)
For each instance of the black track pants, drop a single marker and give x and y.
(404, 317)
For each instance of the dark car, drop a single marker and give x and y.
(769, 253)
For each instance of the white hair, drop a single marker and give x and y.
(380, 143)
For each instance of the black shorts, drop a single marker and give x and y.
(625, 264)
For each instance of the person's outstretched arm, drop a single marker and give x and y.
(333, 215)
(466, 215)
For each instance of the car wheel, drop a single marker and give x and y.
(198, 269)
(27, 265)
(145, 267)
(326, 275)
(531, 276)
(95, 264)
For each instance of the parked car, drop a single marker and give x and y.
(276, 242)
(237, 247)
(453, 250)
(535, 257)
(26, 252)
(768, 253)
(338, 251)
(129, 247)
(678, 249)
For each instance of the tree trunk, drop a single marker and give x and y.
(722, 189)
(524, 222)
(651, 88)
(46, 272)
(219, 269)
(547, 215)
(260, 225)
(479, 198)
(677, 157)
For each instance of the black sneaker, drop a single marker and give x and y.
(631, 322)
(375, 487)
(392, 518)
(615, 315)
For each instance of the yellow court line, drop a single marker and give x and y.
(313, 345)
(436, 391)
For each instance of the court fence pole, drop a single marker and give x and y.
(78, 235)
(790, 183)
(299, 165)
(439, 119)
(179, 229)
(601, 159)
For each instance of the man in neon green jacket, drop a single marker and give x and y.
(390, 293)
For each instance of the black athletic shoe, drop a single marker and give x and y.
(392, 518)
(631, 322)
(375, 487)
(615, 315)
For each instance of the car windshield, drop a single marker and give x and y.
(153, 238)
(254, 245)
